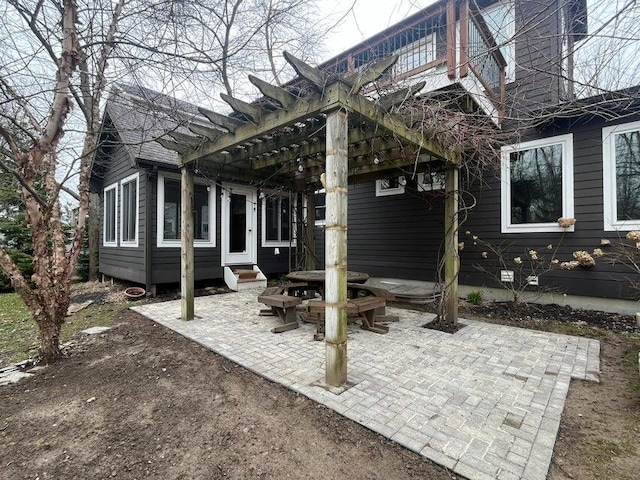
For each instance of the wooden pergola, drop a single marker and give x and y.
(322, 129)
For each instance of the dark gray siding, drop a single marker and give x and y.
(401, 236)
(538, 56)
(165, 261)
(123, 262)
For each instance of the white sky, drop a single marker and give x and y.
(367, 18)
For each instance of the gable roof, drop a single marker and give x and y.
(141, 115)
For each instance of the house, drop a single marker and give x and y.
(139, 185)
(502, 62)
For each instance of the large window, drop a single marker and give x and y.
(277, 220)
(537, 185)
(621, 167)
(169, 206)
(109, 226)
(129, 211)
(390, 186)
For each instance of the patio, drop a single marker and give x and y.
(485, 402)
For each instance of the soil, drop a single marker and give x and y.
(140, 401)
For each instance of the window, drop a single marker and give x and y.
(277, 220)
(109, 226)
(431, 181)
(390, 186)
(537, 185)
(129, 211)
(169, 205)
(500, 19)
(621, 178)
(321, 207)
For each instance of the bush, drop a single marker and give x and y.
(475, 298)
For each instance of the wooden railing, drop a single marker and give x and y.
(431, 41)
(480, 54)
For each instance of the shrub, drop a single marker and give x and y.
(475, 297)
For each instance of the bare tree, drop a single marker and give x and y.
(60, 58)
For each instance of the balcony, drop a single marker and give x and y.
(448, 45)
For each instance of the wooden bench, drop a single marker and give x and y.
(283, 306)
(358, 290)
(364, 307)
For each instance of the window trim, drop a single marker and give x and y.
(609, 179)
(263, 222)
(567, 184)
(135, 177)
(399, 190)
(105, 243)
(161, 242)
(322, 222)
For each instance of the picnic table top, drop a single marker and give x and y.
(318, 276)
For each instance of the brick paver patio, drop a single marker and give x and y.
(485, 402)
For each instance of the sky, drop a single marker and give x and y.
(365, 19)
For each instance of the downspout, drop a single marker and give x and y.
(147, 231)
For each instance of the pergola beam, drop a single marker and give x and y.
(282, 96)
(400, 96)
(210, 133)
(371, 73)
(230, 124)
(247, 109)
(317, 78)
(188, 140)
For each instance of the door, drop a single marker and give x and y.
(239, 225)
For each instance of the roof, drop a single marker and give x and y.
(141, 115)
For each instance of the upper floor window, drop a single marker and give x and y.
(415, 55)
(277, 220)
(109, 226)
(621, 179)
(169, 212)
(500, 18)
(390, 186)
(129, 211)
(537, 185)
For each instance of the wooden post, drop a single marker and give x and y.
(186, 245)
(451, 261)
(336, 249)
(310, 227)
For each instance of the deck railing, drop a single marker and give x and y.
(431, 41)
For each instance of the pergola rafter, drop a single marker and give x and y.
(291, 140)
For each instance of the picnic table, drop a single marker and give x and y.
(315, 279)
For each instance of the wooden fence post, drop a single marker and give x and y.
(451, 261)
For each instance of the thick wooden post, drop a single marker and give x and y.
(186, 245)
(310, 227)
(336, 249)
(451, 261)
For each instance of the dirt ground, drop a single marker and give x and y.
(140, 401)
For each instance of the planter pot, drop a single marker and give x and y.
(134, 293)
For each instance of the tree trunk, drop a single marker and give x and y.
(49, 340)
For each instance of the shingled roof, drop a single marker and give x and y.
(141, 115)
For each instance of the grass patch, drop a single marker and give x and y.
(19, 333)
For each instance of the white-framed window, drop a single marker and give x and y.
(169, 206)
(621, 176)
(390, 186)
(277, 220)
(321, 207)
(501, 20)
(129, 203)
(429, 181)
(110, 214)
(537, 185)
